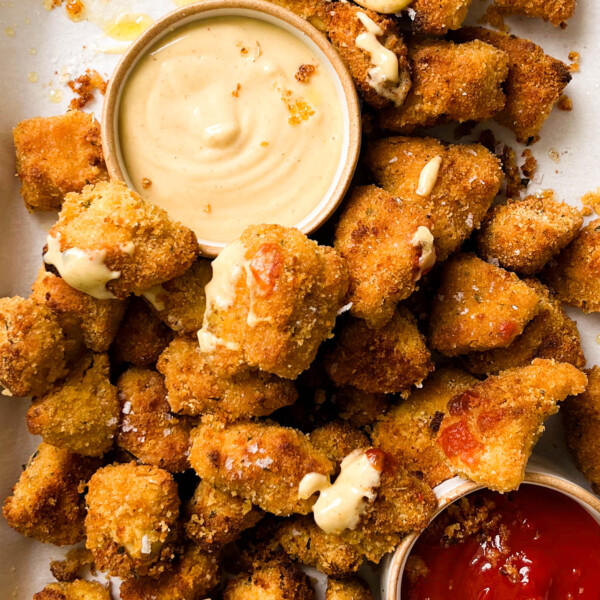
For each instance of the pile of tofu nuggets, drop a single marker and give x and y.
(183, 404)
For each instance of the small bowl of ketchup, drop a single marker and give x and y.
(540, 542)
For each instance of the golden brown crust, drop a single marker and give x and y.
(555, 11)
(351, 588)
(436, 17)
(337, 439)
(57, 155)
(75, 590)
(73, 563)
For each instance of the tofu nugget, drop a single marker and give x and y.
(534, 84)
(216, 518)
(33, 348)
(388, 246)
(110, 243)
(575, 277)
(273, 299)
(338, 439)
(555, 11)
(408, 432)
(523, 235)
(436, 17)
(581, 420)
(195, 389)
(148, 430)
(74, 590)
(451, 82)
(57, 155)
(94, 322)
(132, 512)
(260, 462)
(479, 307)
(80, 414)
(489, 430)
(351, 588)
(47, 502)
(385, 360)
(468, 179)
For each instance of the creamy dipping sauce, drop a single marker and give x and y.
(231, 121)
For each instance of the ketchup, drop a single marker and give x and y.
(536, 544)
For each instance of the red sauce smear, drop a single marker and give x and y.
(551, 552)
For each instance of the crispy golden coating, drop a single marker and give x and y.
(534, 84)
(489, 431)
(95, 322)
(273, 299)
(581, 420)
(193, 575)
(132, 513)
(523, 235)
(376, 235)
(80, 414)
(360, 408)
(142, 336)
(148, 430)
(75, 590)
(351, 588)
(73, 563)
(555, 11)
(194, 388)
(216, 518)
(47, 502)
(408, 432)
(33, 347)
(550, 334)
(468, 180)
(384, 360)
(479, 307)
(451, 82)
(181, 302)
(575, 277)
(260, 462)
(337, 439)
(436, 17)
(57, 155)
(139, 239)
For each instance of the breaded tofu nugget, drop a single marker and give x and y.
(57, 155)
(181, 302)
(193, 575)
(387, 246)
(575, 276)
(489, 430)
(534, 84)
(408, 431)
(351, 588)
(385, 360)
(555, 11)
(581, 421)
(195, 389)
(468, 179)
(33, 348)
(523, 235)
(74, 590)
(550, 334)
(450, 82)
(360, 408)
(95, 322)
(80, 414)
(216, 518)
(436, 17)
(131, 521)
(148, 430)
(479, 306)
(142, 336)
(110, 243)
(260, 462)
(273, 299)
(47, 502)
(337, 439)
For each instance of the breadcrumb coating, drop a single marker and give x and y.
(581, 420)
(337, 439)
(57, 155)
(47, 502)
(69, 568)
(555, 11)
(450, 82)
(259, 461)
(131, 521)
(360, 408)
(575, 276)
(148, 430)
(467, 182)
(80, 414)
(75, 590)
(140, 240)
(351, 588)
(385, 360)
(489, 430)
(436, 17)
(479, 307)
